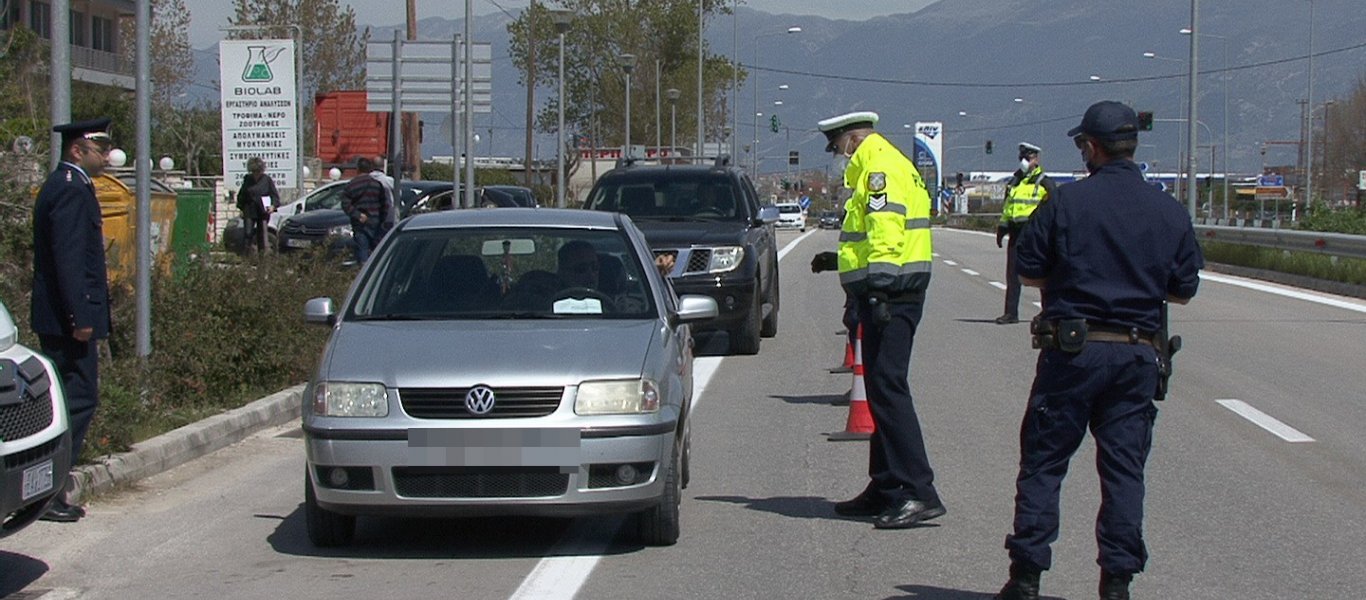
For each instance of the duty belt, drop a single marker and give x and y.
(1117, 335)
(1069, 335)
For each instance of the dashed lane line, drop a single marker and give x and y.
(970, 272)
(1265, 421)
(998, 285)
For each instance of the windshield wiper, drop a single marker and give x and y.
(522, 315)
(393, 317)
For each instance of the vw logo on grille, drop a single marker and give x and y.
(479, 400)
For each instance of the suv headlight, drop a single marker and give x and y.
(725, 258)
(339, 399)
(634, 396)
(340, 231)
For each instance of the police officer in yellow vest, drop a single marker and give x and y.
(884, 263)
(1027, 189)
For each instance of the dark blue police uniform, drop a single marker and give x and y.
(1110, 250)
(70, 285)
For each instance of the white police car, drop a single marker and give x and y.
(35, 442)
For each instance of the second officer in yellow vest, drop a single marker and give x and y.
(1028, 188)
(884, 263)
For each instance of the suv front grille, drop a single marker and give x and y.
(509, 403)
(297, 230)
(698, 260)
(480, 482)
(33, 412)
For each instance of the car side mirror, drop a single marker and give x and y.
(319, 311)
(768, 215)
(693, 308)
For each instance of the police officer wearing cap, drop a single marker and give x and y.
(1028, 188)
(70, 306)
(884, 265)
(1106, 252)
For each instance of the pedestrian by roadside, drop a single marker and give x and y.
(884, 263)
(390, 194)
(70, 305)
(257, 198)
(365, 202)
(1106, 252)
(1028, 188)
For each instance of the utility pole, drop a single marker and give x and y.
(530, 85)
(412, 147)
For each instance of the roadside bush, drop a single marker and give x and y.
(1328, 268)
(1346, 220)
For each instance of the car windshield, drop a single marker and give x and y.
(680, 197)
(789, 209)
(505, 273)
(325, 197)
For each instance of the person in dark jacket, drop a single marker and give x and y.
(367, 202)
(257, 199)
(70, 307)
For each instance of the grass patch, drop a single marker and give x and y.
(1308, 264)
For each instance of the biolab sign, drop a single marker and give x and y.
(929, 153)
(260, 114)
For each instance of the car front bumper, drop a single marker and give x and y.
(53, 456)
(412, 476)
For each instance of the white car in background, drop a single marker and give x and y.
(35, 442)
(791, 216)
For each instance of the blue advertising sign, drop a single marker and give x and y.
(805, 201)
(1271, 181)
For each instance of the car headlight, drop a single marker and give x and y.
(339, 231)
(338, 399)
(725, 258)
(617, 397)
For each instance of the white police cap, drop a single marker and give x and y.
(836, 126)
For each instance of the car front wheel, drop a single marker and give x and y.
(745, 340)
(326, 529)
(658, 525)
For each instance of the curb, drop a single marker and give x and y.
(182, 445)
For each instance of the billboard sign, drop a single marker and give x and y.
(260, 110)
(929, 153)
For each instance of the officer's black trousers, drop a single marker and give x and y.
(1108, 388)
(1012, 277)
(77, 363)
(897, 462)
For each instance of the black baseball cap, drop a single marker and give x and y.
(1108, 120)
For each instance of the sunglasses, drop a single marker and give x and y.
(1080, 141)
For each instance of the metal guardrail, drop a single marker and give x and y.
(1330, 244)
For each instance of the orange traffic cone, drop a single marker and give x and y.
(860, 425)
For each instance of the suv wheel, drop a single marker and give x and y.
(326, 529)
(746, 339)
(770, 324)
(658, 525)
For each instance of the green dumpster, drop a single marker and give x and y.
(189, 236)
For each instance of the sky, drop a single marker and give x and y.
(207, 16)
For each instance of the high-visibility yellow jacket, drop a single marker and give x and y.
(885, 240)
(1025, 196)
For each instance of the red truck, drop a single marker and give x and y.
(346, 130)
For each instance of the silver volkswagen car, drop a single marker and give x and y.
(503, 362)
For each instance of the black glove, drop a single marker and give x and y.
(1000, 235)
(825, 261)
(877, 301)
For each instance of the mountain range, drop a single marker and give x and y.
(1000, 70)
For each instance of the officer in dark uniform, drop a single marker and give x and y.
(1106, 251)
(70, 307)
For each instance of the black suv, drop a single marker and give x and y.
(709, 219)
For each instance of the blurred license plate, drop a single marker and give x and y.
(37, 479)
(297, 243)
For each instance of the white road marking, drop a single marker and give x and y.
(971, 272)
(1325, 299)
(950, 263)
(569, 564)
(1265, 421)
(998, 285)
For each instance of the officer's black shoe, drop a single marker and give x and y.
(867, 504)
(908, 514)
(1023, 584)
(61, 512)
(1007, 319)
(1114, 587)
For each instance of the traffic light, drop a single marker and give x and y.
(792, 157)
(773, 124)
(1145, 121)
(988, 146)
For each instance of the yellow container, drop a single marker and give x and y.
(118, 207)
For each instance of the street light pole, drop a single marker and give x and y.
(1180, 133)
(1309, 139)
(673, 94)
(701, 27)
(562, 18)
(1191, 111)
(628, 64)
(1224, 77)
(755, 73)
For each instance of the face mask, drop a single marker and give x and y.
(841, 163)
(1024, 165)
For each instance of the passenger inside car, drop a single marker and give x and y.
(714, 201)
